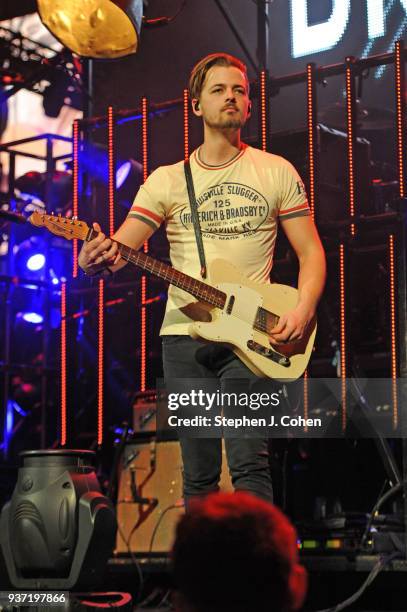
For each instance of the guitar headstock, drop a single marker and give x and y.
(61, 226)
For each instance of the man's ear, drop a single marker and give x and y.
(298, 582)
(249, 109)
(196, 107)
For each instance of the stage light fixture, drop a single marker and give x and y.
(122, 174)
(96, 28)
(129, 178)
(32, 317)
(36, 262)
(58, 530)
(56, 279)
(94, 159)
(29, 306)
(29, 258)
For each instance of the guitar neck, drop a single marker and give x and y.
(200, 290)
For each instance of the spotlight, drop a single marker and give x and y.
(122, 174)
(96, 28)
(58, 530)
(28, 257)
(36, 262)
(31, 317)
(94, 160)
(131, 178)
(54, 278)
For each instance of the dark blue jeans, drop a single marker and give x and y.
(248, 458)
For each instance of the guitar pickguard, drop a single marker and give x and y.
(234, 323)
(242, 303)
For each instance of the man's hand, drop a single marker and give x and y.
(98, 254)
(292, 326)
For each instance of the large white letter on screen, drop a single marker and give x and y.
(322, 36)
(375, 18)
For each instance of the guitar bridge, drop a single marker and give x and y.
(269, 353)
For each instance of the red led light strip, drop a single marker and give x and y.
(143, 360)
(263, 109)
(311, 120)
(343, 331)
(144, 135)
(143, 368)
(63, 364)
(101, 305)
(401, 117)
(186, 125)
(100, 363)
(75, 191)
(350, 120)
(393, 330)
(111, 167)
(305, 397)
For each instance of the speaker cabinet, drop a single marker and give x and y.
(152, 470)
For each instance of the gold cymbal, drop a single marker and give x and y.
(94, 28)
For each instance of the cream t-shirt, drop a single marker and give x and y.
(238, 206)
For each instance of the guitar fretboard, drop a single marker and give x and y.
(193, 286)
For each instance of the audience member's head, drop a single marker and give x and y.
(234, 551)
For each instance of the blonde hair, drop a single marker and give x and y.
(200, 70)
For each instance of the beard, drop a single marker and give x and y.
(225, 124)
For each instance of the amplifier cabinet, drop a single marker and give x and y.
(151, 470)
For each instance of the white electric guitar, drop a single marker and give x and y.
(241, 311)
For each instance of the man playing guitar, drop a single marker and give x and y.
(241, 193)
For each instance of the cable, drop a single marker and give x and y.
(172, 506)
(133, 558)
(372, 575)
(376, 507)
(155, 596)
(163, 21)
(165, 601)
(371, 517)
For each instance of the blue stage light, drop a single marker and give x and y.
(36, 262)
(54, 278)
(94, 160)
(32, 317)
(122, 173)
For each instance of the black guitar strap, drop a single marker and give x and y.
(195, 217)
